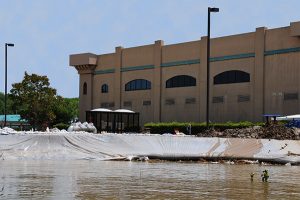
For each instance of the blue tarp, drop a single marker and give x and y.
(293, 123)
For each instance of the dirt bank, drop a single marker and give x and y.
(278, 132)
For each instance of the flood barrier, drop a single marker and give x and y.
(64, 146)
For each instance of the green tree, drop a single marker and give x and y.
(35, 100)
(9, 106)
(1, 103)
(66, 110)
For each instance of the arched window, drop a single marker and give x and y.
(104, 88)
(84, 88)
(138, 84)
(181, 81)
(233, 76)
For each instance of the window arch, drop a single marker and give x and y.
(84, 88)
(232, 76)
(181, 81)
(138, 84)
(104, 88)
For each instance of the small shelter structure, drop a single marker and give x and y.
(14, 121)
(271, 118)
(117, 121)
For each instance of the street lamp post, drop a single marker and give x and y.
(5, 97)
(208, 62)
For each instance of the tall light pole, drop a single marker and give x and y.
(5, 97)
(208, 62)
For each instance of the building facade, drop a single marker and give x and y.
(251, 74)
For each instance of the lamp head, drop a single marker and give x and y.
(10, 44)
(213, 9)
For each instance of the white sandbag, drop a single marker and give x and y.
(71, 128)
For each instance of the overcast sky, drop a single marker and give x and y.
(46, 32)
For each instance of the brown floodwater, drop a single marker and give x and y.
(83, 179)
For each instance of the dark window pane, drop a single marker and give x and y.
(104, 88)
(186, 81)
(138, 84)
(175, 82)
(131, 86)
(244, 77)
(233, 76)
(193, 82)
(144, 84)
(181, 81)
(84, 88)
(148, 85)
(168, 84)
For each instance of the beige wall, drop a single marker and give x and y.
(85, 101)
(100, 97)
(231, 110)
(106, 61)
(137, 97)
(270, 77)
(180, 111)
(280, 38)
(137, 56)
(231, 45)
(282, 76)
(182, 51)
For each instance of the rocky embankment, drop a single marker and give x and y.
(278, 132)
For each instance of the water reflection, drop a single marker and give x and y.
(137, 180)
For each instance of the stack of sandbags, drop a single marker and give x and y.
(78, 126)
(6, 131)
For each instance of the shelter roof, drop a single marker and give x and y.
(101, 110)
(11, 118)
(124, 111)
(272, 115)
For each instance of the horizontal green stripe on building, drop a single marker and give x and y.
(281, 51)
(133, 68)
(197, 61)
(105, 71)
(182, 62)
(231, 57)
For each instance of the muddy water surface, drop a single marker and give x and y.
(141, 180)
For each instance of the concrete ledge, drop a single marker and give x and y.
(295, 29)
(83, 59)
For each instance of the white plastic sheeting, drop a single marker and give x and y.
(122, 146)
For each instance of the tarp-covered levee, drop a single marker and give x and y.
(67, 146)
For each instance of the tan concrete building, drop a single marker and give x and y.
(251, 74)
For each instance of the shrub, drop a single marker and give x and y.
(61, 126)
(169, 127)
